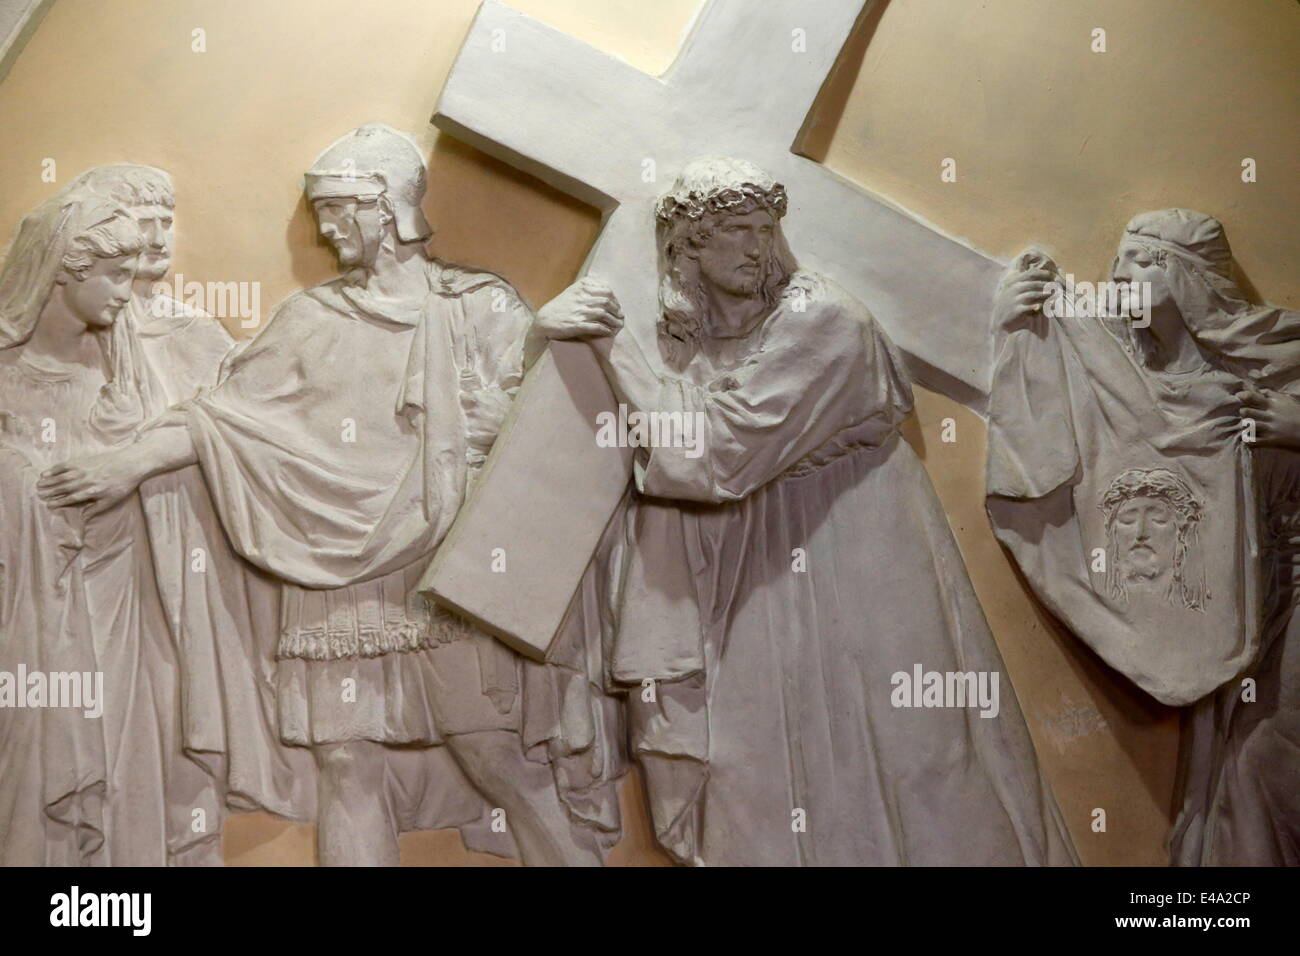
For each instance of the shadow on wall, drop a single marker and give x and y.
(814, 139)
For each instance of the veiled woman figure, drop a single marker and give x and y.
(1170, 391)
(77, 589)
(1241, 752)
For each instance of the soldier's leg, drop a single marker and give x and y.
(546, 835)
(355, 824)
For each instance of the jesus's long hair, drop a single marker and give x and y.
(685, 227)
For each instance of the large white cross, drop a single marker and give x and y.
(18, 21)
(610, 135)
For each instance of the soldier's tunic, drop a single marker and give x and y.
(337, 453)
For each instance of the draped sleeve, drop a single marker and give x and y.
(334, 446)
(499, 321)
(816, 373)
(495, 327)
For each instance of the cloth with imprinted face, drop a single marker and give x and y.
(1126, 498)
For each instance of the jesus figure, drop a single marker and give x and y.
(777, 573)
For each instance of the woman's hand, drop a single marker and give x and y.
(101, 480)
(586, 309)
(1276, 417)
(1020, 295)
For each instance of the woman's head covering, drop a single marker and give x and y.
(1261, 343)
(63, 231)
(45, 238)
(1194, 236)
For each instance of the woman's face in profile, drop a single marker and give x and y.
(97, 295)
(1135, 265)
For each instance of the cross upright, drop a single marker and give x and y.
(594, 127)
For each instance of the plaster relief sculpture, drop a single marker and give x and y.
(222, 612)
(1169, 419)
(183, 344)
(1094, 420)
(1152, 546)
(580, 120)
(108, 779)
(335, 449)
(779, 579)
(18, 21)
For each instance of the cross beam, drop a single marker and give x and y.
(604, 132)
(18, 21)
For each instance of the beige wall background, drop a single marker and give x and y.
(1054, 144)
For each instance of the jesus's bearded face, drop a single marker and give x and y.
(1146, 530)
(733, 258)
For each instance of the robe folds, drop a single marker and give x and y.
(80, 596)
(1071, 412)
(771, 589)
(337, 449)
(1239, 776)
(117, 780)
(220, 611)
(53, 779)
(1072, 404)
(183, 345)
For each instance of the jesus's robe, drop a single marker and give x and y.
(771, 589)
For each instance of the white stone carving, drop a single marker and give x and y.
(783, 580)
(600, 130)
(18, 21)
(1142, 471)
(335, 450)
(81, 606)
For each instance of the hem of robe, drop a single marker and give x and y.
(1036, 831)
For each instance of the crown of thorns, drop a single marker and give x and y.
(1157, 483)
(734, 199)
